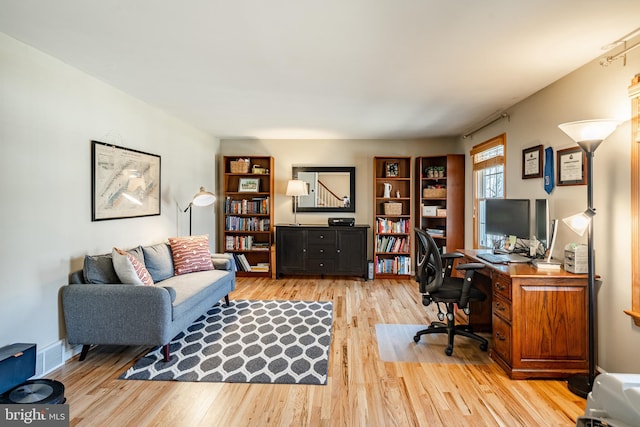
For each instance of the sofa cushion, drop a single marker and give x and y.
(190, 254)
(129, 269)
(158, 260)
(99, 268)
(190, 289)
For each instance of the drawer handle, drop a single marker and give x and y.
(500, 287)
(322, 236)
(321, 264)
(500, 337)
(321, 251)
(338, 250)
(500, 307)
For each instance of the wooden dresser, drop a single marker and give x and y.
(538, 319)
(321, 250)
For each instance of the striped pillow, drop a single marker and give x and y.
(190, 254)
(129, 269)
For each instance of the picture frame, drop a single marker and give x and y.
(532, 162)
(572, 166)
(248, 185)
(392, 169)
(125, 183)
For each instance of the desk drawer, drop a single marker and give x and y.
(502, 286)
(502, 338)
(502, 308)
(321, 237)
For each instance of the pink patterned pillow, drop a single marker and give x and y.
(129, 269)
(190, 254)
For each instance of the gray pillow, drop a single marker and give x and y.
(158, 260)
(99, 268)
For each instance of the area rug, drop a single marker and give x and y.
(283, 342)
(395, 344)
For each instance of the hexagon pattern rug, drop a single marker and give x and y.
(278, 342)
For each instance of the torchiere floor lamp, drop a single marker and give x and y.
(588, 134)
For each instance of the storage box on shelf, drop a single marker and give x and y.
(392, 217)
(248, 213)
(439, 194)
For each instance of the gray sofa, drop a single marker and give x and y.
(99, 309)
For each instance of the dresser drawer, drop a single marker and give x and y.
(501, 285)
(321, 237)
(321, 251)
(320, 266)
(502, 338)
(502, 308)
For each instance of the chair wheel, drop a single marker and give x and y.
(441, 316)
(450, 317)
(448, 351)
(484, 347)
(416, 338)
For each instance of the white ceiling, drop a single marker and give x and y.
(324, 69)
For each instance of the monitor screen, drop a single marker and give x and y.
(508, 217)
(542, 221)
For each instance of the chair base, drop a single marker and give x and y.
(451, 329)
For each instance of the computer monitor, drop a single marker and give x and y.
(542, 221)
(508, 217)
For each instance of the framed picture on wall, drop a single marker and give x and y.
(572, 166)
(532, 162)
(125, 183)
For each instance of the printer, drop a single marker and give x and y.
(614, 401)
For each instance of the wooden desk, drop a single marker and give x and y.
(538, 318)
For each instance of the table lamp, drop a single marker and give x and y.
(296, 188)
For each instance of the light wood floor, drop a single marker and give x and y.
(362, 390)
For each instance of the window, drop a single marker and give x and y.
(488, 160)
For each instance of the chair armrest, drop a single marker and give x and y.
(469, 270)
(451, 255)
(222, 261)
(117, 314)
(447, 261)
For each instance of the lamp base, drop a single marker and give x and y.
(579, 385)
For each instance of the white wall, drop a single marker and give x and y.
(590, 92)
(49, 113)
(358, 153)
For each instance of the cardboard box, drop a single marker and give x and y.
(441, 212)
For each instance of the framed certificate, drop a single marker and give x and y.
(572, 166)
(532, 162)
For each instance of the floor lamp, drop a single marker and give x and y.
(296, 188)
(202, 198)
(588, 134)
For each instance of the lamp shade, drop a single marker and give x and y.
(203, 198)
(296, 187)
(589, 130)
(579, 222)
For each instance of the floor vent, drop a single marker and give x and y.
(49, 358)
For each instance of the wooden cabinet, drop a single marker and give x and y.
(248, 213)
(439, 188)
(392, 216)
(539, 319)
(321, 250)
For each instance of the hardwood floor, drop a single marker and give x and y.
(362, 390)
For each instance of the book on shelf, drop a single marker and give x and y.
(260, 267)
(242, 263)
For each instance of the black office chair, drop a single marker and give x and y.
(437, 285)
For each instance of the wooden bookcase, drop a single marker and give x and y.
(439, 195)
(248, 213)
(393, 225)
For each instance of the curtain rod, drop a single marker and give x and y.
(501, 116)
(609, 59)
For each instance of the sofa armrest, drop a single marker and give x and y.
(222, 261)
(117, 314)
